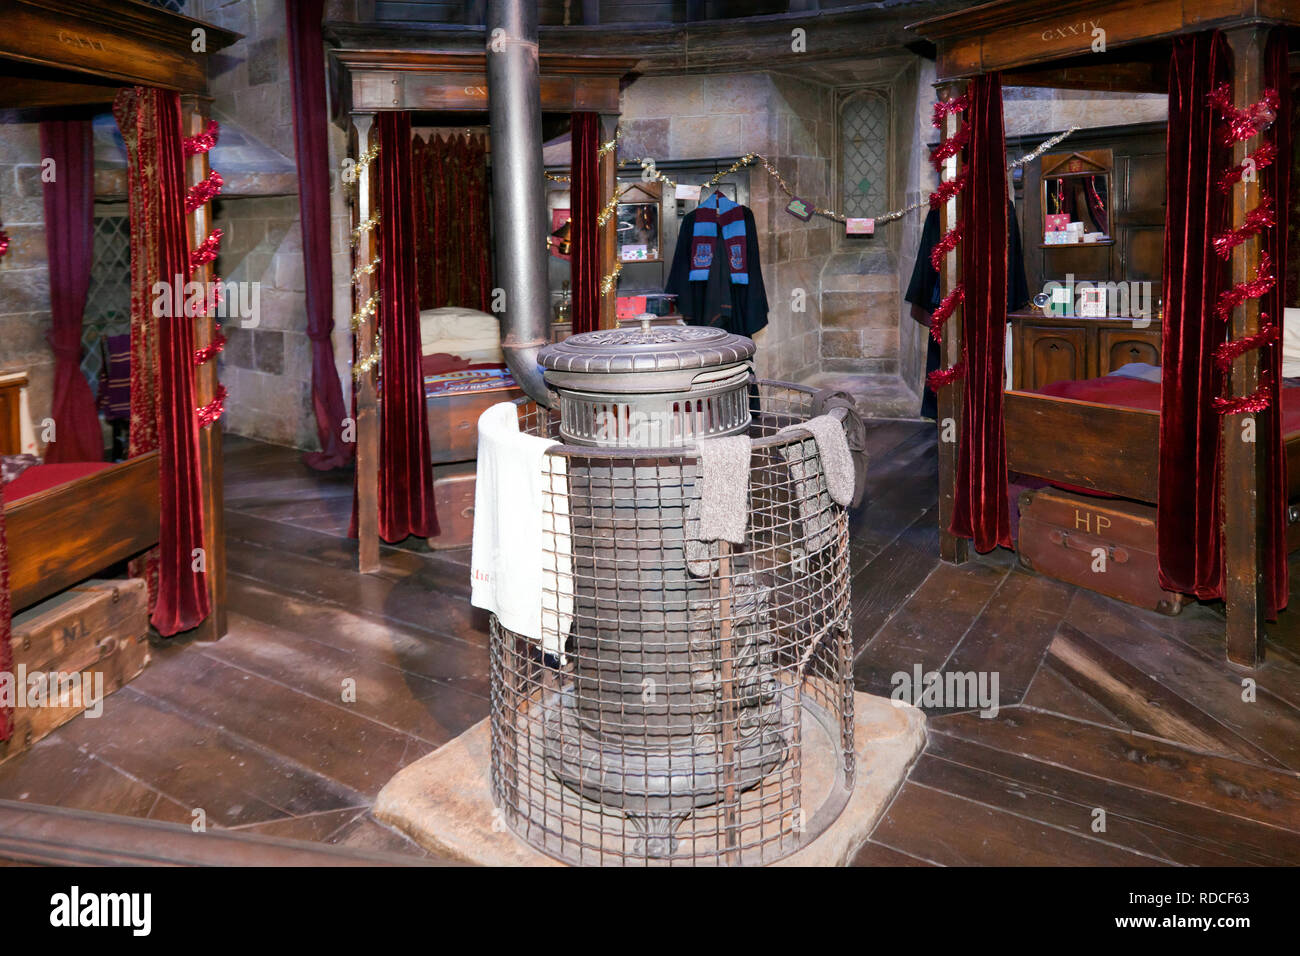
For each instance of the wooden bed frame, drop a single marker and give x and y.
(1049, 43)
(60, 536)
(381, 67)
(57, 53)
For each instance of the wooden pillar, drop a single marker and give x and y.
(1243, 461)
(366, 412)
(951, 397)
(608, 242)
(194, 118)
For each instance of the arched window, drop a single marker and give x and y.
(864, 154)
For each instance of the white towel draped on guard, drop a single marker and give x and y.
(522, 550)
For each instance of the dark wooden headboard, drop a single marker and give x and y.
(11, 431)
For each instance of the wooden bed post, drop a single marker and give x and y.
(951, 547)
(366, 412)
(609, 232)
(1243, 474)
(194, 118)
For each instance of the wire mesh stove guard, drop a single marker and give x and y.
(696, 716)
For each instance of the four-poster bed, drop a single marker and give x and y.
(1230, 535)
(378, 70)
(82, 520)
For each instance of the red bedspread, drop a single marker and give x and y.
(1137, 393)
(40, 477)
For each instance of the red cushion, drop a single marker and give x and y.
(38, 478)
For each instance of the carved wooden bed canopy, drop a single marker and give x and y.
(1054, 44)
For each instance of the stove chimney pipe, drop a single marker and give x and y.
(518, 203)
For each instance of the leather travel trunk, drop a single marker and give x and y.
(1105, 545)
(97, 632)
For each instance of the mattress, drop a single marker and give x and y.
(472, 335)
(40, 478)
(1137, 393)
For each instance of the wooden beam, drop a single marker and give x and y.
(951, 397)
(130, 43)
(41, 835)
(1244, 472)
(608, 243)
(366, 412)
(194, 117)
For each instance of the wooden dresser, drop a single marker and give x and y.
(1048, 349)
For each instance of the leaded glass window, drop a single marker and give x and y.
(864, 154)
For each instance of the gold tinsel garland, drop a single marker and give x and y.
(608, 282)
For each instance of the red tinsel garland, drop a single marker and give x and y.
(204, 191)
(206, 251)
(1227, 352)
(947, 189)
(1243, 124)
(945, 310)
(945, 245)
(1256, 401)
(1264, 280)
(1257, 220)
(1262, 158)
(206, 353)
(4, 243)
(945, 107)
(937, 380)
(950, 147)
(202, 142)
(210, 412)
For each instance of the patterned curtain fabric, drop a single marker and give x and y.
(453, 251)
(69, 237)
(584, 233)
(162, 353)
(1189, 517)
(980, 508)
(311, 147)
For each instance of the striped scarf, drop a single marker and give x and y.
(719, 214)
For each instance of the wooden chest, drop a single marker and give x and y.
(453, 422)
(97, 631)
(453, 496)
(1107, 546)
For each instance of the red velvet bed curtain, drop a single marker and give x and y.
(162, 352)
(311, 146)
(980, 508)
(69, 238)
(1275, 182)
(453, 250)
(405, 474)
(1189, 515)
(584, 235)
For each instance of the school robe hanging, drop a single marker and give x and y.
(716, 274)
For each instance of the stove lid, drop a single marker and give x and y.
(650, 348)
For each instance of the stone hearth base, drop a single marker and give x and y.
(442, 801)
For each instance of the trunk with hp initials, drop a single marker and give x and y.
(1105, 545)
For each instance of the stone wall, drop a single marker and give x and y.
(788, 121)
(1028, 109)
(24, 272)
(267, 369)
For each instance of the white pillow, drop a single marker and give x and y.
(1291, 343)
(453, 322)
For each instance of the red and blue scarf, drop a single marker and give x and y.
(715, 215)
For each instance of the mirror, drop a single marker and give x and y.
(1077, 198)
(638, 222)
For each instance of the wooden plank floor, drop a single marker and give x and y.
(1122, 737)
